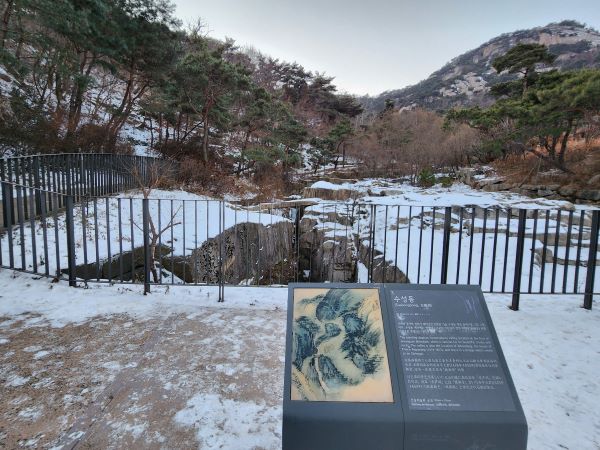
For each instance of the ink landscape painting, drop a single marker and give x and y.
(338, 350)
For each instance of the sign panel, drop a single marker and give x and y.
(448, 356)
(338, 346)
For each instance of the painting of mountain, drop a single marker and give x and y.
(338, 347)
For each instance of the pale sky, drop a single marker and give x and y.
(370, 46)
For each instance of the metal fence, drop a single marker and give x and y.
(79, 175)
(208, 242)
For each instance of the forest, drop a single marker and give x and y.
(111, 75)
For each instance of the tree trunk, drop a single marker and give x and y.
(563, 147)
(205, 138)
(6, 21)
(77, 92)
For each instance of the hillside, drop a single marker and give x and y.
(465, 80)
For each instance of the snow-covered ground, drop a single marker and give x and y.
(116, 224)
(408, 227)
(404, 225)
(552, 347)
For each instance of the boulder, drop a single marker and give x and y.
(126, 266)
(249, 251)
(383, 271)
(590, 195)
(595, 180)
(128, 262)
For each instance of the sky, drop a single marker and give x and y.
(371, 46)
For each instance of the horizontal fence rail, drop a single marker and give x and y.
(187, 241)
(79, 175)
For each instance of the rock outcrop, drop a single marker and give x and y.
(250, 252)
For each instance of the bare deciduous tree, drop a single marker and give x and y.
(155, 176)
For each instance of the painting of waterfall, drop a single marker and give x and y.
(338, 347)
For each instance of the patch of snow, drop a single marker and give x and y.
(41, 354)
(60, 305)
(227, 424)
(16, 381)
(136, 430)
(33, 413)
(551, 346)
(32, 349)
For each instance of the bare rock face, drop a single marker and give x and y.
(127, 266)
(250, 252)
(383, 271)
(331, 194)
(325, 256)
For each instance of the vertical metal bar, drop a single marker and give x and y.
(460, 233)
(471, 244)
(183, 224)
(555, 258)
(108, 239)
(84, 233)
(271, 265)
(396, 247)
(160, 243)
(70, 241)
(408, 243)
(432, 242)
(258, 249)
(20, 215)
(8, 210)
(446, 244)
(207, 225)
(420, 246)
(32, 226)
(221, 239)
(592, 256)
(37, 184)
(519, 260)
(495, 250)
(544, 251)
(173, 244)
(372, 245)
(578, 258)
(533, 242)
(120, 222)
(131, 230)
(334, 242)
(45, 235)
(567, 252)
(483, 235)
(222, 293)
(506, 243)
(147, 256)
(56, 244)
(248, 244)
(385, 231)
(196, 250)
(96, 240)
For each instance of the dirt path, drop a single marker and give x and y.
(115, 382)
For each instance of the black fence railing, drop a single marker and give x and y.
(190, 241)
(79, 175)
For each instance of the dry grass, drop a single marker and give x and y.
(583, 160)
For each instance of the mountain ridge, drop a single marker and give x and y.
(466, 79)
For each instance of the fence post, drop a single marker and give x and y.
(221, 239)
(146, 231)
(7, 192)
(446, 244)
(519, 260)
(36, 183)
(70, 241)
(591, 266)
